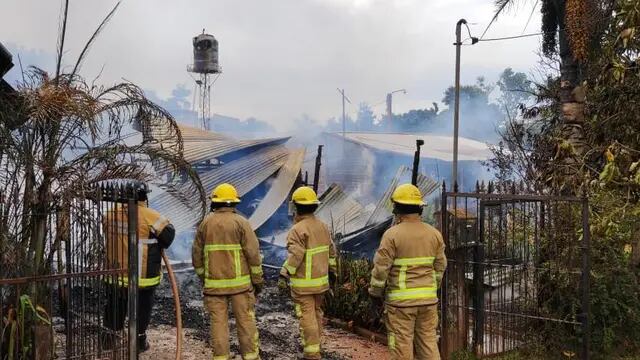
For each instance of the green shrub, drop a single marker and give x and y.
(350, 300)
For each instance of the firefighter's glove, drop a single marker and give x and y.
(257, 288)
(283, 284)
(377, 305)
(376, 292)
(332, 279)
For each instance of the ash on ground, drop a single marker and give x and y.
(277, 325)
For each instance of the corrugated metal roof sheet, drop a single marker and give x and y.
(384, 207)
(279, 190)
(194, 134)
(200, 150)
(435, 146)
(245, 174)
(340, 211)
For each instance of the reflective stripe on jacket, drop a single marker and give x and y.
(150, 225)
(226, 253)
(311, 254)
(409, 262)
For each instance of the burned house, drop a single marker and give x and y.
(264, 171)
(364, 163)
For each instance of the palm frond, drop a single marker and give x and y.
(62, 35)
(92, 39)
(501, 6)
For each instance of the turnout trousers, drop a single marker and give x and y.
(243, 305)
(411, 332)
(115, 310)
(308, 310)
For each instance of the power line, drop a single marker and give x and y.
(512, 37)
(533, 10)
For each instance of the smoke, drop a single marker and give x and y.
(181, 105)
(364, 173)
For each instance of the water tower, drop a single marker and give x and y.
(205, 66)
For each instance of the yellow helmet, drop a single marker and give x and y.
(407, 194)
(225, 193)
(305, 195)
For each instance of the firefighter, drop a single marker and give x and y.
(155, 233)
(310, 268)
(226, 257)
(410, 262)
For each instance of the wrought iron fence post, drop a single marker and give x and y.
(68, 326)
(132, 221)
(586, 286)
(478, 287)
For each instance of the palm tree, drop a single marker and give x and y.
(59, 137)
(570, 30)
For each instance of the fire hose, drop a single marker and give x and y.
(176, 299)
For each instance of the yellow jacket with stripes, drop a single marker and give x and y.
(226, 253)
(311, 255)
(154, 233)
(409, 263)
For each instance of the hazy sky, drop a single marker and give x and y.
(281, 58)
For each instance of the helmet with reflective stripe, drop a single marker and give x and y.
(407, 194)
(225, 193)
(305, 195)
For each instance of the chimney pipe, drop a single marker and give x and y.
(416, 162)
(316, 175)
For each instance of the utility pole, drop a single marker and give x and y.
(389, 105)
(344, 113)
(456, 111)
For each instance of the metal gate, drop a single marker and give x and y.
(66, 310)
(518, 274)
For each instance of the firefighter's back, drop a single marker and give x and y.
(227, 271)
(413, 278)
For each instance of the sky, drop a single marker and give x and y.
(282, 60)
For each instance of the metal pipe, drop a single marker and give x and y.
(456, 110)
(316, 175)
(416, 162)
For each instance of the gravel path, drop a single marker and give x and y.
(279, 333)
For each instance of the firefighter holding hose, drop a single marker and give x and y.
(226, 257)
(410, 263)
(155, 233)
(310, 268)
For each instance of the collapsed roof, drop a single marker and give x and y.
(359, 228)
(435, 146)
(243, 163)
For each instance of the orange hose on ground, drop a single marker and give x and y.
(176, 298)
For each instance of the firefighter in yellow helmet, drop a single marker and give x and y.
(409, 263)
(310, 268)
(155, 233)
(226, 257)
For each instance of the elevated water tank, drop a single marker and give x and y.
(205, 54)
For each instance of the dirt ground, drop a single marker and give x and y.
(279, 333)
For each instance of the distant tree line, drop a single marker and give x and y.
(484, 109)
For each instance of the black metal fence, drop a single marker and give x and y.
(518, 274)
(64, 276)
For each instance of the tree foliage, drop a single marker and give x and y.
(609, 168)
(59, 137)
